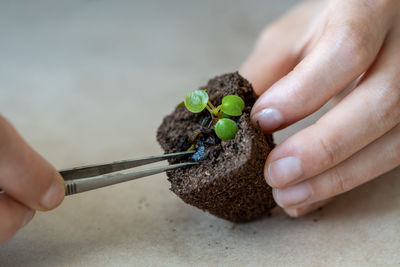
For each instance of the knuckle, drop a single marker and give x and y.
(329, 148)
(354, 39)
(387, 109)
(357, 44)
(340, 183)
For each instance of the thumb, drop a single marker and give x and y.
(24, 175)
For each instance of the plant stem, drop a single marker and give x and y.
(218, 112)
(191, 148)
(210, 104)
(210, 110)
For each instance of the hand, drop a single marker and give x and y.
(29, 182)
(301, 62)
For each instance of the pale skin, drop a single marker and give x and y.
(30, 182)
(300, 62)
(321, 50)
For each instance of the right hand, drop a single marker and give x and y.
(29, 182)
(309, 57)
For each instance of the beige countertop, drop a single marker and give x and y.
(89, 81)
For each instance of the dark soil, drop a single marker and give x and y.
(229, 180)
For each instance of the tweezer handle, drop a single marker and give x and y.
(99, 175)
(86, 184)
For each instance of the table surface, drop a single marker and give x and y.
(89, 81)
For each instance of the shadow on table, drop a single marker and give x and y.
(187, 231)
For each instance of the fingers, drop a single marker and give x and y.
(358, 169)
(348, 46)
(13, 216)
(279, 47)
(368, 112)
(302, 210)
(25, 175)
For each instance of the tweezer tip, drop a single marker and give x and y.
(181, 153)
(184, 164)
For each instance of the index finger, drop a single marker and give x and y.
(346, 49)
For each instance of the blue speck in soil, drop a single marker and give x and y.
(199, 153)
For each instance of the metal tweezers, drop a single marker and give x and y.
(86, 178)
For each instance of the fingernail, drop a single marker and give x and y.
(294, 213)
(27, 218)
(293, 195)
(283, 171)
(269, 119)
(54, 195)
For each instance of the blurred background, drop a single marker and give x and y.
(98, 76)
(90, 81)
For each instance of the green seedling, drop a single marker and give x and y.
(232, 105)
(196, 101)
(226, 129)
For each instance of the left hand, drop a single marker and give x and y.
(301, 62)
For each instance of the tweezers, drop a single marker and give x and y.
(86, 178)
(90, 177)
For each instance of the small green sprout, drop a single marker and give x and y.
(226, 129)
(196, 101)
(232, 105)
